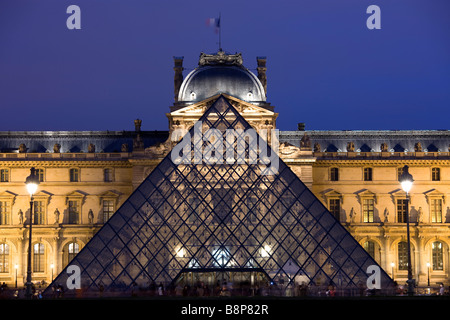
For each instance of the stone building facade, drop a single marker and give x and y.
(86, 176)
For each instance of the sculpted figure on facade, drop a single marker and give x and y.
(350, 147)
(91, 148)
(317, 147)
(56, 213)
(418, 147)
(384, 147)
(22, 148)
(20, 214)
(90, 216)
(305, 142)
(57, 148)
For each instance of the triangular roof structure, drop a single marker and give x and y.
(235, 214)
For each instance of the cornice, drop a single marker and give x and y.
(381, 162)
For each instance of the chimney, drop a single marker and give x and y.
(178, 77)
(262, 72)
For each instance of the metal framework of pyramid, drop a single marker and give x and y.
(198, 216)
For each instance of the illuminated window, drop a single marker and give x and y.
(368, 208)
(74, 211)
(4, 212)
(39, 212)
(436, 210)
(402, 256)
(73, 249)
(402, 207)
(335, 208)
(108, 209)
(438, 255)
(369, 246)
(38, 257)
(4, 258)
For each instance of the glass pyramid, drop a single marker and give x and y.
(193, 216)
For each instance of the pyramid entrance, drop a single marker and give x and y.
(221, 204)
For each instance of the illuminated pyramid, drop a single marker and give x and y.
(225, 215)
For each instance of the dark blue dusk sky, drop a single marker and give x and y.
(325, 67)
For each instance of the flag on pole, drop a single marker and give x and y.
(213, 22)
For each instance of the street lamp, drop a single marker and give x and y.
(51, 267)
(428, 267)
(31, 183)
(406, 180)
(16, 266)
(392, 266)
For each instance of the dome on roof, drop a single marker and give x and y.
(221, 73)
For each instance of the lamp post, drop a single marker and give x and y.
(16, 266)
(428, 267)
(392, 266)
(406, 180)
(31, 183)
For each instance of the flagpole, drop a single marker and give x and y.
(220, 34)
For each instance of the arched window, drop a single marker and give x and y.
(4, 258)
(369, 246)
(402, 256)
(74, 248)
(38, 257)
(437, 255)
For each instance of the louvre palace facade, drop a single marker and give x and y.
(119, 208)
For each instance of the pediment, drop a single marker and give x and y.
(244, 108)
(7, 194)
(434, 194)
(109, 194)
(75, 194)
(42, 194)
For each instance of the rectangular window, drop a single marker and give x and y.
(368, 208)
(436, 210)
(38, 257)
(367, 174)
(4, 258)
(399, 173)
(335, 208)
(438, 255)
(334, 174)
(39, 215)
(108, 175)
(4, 212)
(108, 209)
(402, 210)
(40, 174)
(4, 175)
(436, 174)
(74, 175)
(74, 212)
